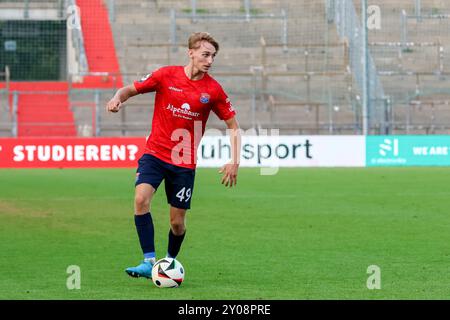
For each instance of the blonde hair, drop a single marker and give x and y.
(195, 38)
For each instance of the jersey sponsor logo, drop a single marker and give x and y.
(146, 77)
(175, 89)
(204, 98)
(183, 112)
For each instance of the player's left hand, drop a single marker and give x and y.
(229, 177)
(114, 105)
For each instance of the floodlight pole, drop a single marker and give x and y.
(365, 62)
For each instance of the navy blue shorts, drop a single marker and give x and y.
(179, 181)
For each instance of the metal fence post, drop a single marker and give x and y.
(419, 10)
(61, 9)
(343, 19)
(388, 116)
(7, 80)
(97, 114)
(253, 105)
(284, 36)
(194, 10)
(403, 31)
(26, 10)
(330, 111)
(14, 113)
(440, 49)
(408, 117)
(365, 62)
(247, 6)
(173, 30)
(263, 72)
(263, 51)
(112, 10)
(330, 10)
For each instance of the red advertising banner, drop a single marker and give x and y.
(70, 152)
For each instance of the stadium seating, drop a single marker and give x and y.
(415, 77)
(142, 30)
(302, 86)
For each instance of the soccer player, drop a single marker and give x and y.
(185, 95)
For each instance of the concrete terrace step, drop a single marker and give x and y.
(207, 5)
(32, 4)
(46, 130)
(45, 117)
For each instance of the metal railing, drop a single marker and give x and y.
(260, 97)
(95, 105)
(324, 118)
(404, 17)
(106, 77)
(96, 109)
(247, 16)
(402, 48)
(15, 110)
(28, 6)
(78, 39)
(264, 46)
(247, 8)
(246, 5)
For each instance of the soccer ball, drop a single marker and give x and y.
(167, 273)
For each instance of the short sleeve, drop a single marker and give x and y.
(150, 82)
(222, 106)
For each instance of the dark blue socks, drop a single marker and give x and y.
(174, 244)
(146, 233)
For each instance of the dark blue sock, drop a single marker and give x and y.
(174, 244)
(146, 233)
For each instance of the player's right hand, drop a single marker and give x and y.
(113, 105)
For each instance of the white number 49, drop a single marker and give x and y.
(181, 194)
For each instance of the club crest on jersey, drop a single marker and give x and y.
(204, 98)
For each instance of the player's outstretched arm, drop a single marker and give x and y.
(230, 170)
(122, 95)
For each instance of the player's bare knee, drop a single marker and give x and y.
(142, 203)
(177, 226)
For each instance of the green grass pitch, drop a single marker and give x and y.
(299, 234)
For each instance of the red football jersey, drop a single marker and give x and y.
(182, 107)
